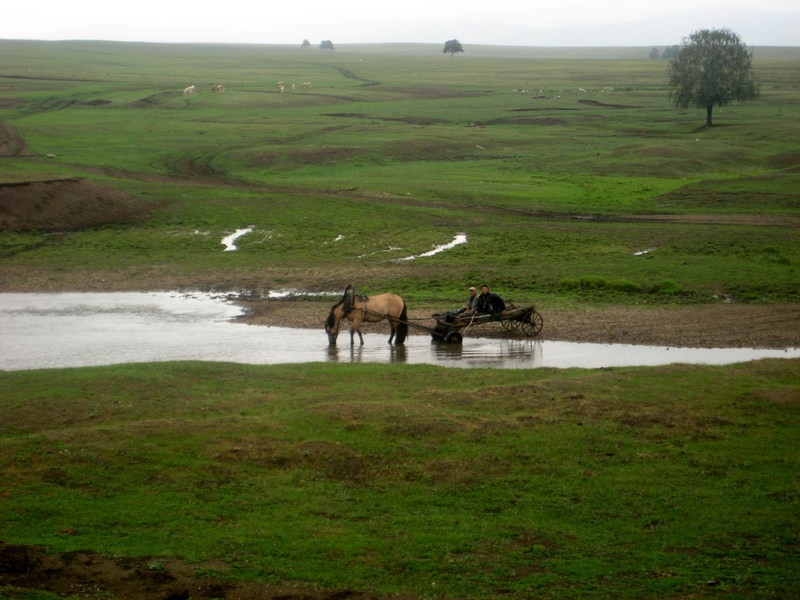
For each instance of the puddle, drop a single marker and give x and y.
(460, 238)
(230, 240)
(86, 329)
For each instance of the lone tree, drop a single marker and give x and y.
(452, 46)
(326, 45)
(712, 67)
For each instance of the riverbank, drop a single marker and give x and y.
(701, 326)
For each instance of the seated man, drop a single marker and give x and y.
(488, 303)
(470, 303)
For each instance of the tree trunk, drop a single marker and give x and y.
(708, 114)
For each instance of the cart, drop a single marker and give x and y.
(450, 327)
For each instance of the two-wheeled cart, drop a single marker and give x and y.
(450, 327)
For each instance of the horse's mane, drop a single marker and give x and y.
(331, 320)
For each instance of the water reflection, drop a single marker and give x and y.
(71, 330)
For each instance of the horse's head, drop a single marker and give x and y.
(332, 324)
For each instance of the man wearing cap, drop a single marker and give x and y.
(470, 304)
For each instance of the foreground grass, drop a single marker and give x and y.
(623, 483)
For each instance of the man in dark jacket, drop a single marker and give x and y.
(488, 302)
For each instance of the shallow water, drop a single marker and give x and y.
(85, 329)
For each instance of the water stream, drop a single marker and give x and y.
(86, 329)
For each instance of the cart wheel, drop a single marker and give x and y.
(532, 324)
(510, 324)
(454, 337)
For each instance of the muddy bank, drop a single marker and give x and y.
(30, 567)
(707, 326)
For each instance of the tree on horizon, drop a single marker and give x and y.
(452, 46)
(712, 67)
(326, 45)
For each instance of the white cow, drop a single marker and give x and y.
(189, 90)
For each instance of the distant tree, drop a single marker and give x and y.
(452, 46)
(326, 45)
(712, 67)
(305, 44)
(654, 53)
(670, 51)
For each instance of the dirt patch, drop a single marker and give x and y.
(525, 121)
(88, 574)
(11, 143)
(59, 205)
(707, 326)
(307, 156)
(409, 120)
(604, 105)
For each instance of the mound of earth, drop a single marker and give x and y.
(64, 205)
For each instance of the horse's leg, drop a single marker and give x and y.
(392, 329)
(356, 328)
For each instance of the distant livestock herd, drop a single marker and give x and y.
(220, 87)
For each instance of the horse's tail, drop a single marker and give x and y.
(402, 327)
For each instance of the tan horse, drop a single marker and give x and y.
(370, 310)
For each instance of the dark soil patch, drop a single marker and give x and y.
(525, 121)
(60, 205)
(409, 120)
(155, 99)
(89, 574)
(604, 105)
(11, 143)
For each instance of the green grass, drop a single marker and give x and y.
(398, 153)
(435, 147)
(631, 483)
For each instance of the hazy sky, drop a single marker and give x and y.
(505, 22)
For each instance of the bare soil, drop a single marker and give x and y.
(89, 575)
(706, 326)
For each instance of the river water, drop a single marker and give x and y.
(85, 329)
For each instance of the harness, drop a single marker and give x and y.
(349, 303)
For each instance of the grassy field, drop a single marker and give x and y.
(628, 483)
(554, 168)
(577, 185)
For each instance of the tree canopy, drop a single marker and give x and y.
(711, 68)
(452, 46)
(326, 45)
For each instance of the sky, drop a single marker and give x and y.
(500, 22)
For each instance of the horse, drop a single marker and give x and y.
(189, 90)
(371, 310)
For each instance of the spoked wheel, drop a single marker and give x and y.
(532, 324)
(454, 337)
(510, 324)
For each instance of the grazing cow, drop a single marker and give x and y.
(189, 90)
(281, 86)
(218, 87)
(307, 84)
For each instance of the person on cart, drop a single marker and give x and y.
(488, 303)
(469, 305)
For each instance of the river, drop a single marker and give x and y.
(86, 329)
